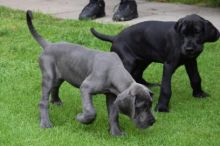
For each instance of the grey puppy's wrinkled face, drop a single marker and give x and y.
(136, 103)
(195, 31)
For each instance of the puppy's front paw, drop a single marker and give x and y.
(85, 118)
(161, 108)
(46, 124)
(200, 94)
(117, 132)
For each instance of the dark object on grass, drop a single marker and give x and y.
(93, 72)
(94, 9)
(171, 43)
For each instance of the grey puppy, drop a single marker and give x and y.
(93, 72)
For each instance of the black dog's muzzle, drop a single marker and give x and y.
(191, 47)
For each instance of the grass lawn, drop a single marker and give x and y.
(191, 122)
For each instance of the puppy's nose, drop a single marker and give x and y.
(189, 49)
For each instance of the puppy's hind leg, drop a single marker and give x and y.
(55, 99)
(47, 83)
(138, 74)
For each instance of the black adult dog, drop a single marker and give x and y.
(171, 43)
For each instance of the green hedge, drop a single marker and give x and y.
(200, 2)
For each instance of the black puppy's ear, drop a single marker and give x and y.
(211, 33)
(178, 25)
(126, 103)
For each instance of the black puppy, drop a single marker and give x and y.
(171, 43)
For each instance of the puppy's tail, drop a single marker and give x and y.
(34, 33)
(102, 36)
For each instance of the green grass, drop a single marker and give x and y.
(191, 122)
(213, 3)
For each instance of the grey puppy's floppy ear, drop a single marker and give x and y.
(211, 32)
(149, 94)
(142, 92)
(126, 103)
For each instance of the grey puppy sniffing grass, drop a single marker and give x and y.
(93, 72)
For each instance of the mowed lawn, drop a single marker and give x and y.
(191, 121)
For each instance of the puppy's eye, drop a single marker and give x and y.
(199, 41)
(140, 104)
(197, 30)
(184, 31)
